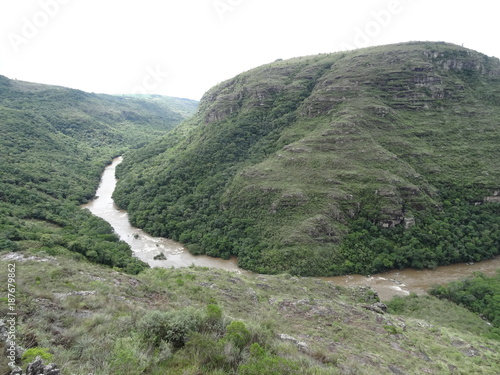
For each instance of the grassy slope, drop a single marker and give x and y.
(105, 331)
(55, 143)
(279, 161)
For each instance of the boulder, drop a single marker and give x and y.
(37, 368)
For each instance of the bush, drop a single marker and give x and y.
(214, 312)
(31, 354)
(207, 351)
(172, 326)
(214, 321)
(238, 334)
(393, 330)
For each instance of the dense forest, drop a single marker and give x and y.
(55, 143)
(363, 161)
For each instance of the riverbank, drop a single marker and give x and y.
(146, 248)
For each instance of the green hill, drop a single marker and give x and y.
(55, 142)
(361, 161)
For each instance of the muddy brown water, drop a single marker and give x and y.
(146, 247)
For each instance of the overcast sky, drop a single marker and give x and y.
(184, 47)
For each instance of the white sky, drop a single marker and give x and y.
(184, 47)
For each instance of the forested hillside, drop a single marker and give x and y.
(362, 161)
(55, 143)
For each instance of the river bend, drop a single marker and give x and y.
(146, 247)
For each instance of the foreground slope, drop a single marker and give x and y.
(90, 319)
(55, 142)
(360, 161)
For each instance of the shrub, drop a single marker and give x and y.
(207, 351)
(31, 354)
(238, 333)
(393, 330)
(214, 321)
(172, 326)
(214, 312)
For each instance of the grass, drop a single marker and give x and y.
(96, 332)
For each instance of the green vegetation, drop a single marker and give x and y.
(354, 162)
(363, 161)
(462, 232)
(92, 319)
(480, 294)
(55, 143)
(30, 355)
(439, 314)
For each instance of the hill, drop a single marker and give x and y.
(361, 161)
(55, 142)
(86, 318)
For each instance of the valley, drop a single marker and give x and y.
(387, 285)
(319, 198)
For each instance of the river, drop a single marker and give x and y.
(146, 247)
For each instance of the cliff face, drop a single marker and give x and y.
(293, 152)
(418, 74)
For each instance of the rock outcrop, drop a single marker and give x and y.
(37, 368)
(495, 198)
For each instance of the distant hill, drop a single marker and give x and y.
(55, 142)
(360, 161)
(184, 107)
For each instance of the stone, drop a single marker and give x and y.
(379, 307)
(301, 345)
(160, 256)
(409, 222)
(37, 368)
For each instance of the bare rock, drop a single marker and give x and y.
(301, 345)
(83, 293)
(38, 368)
(160, 256)
(379, 307)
